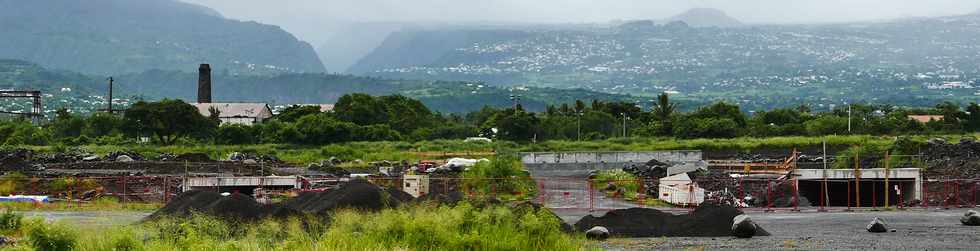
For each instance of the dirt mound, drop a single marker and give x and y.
(14, 160)
(190, 157)
(960, 160)
(708, 220)
(356, 194)
(113, 156)
(232, 207)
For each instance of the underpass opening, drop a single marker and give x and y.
(847, 193)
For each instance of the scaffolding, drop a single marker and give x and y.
(36, 112)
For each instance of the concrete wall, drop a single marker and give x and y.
(580, 163)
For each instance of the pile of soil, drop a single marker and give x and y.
(132, 155)
(708, 220)
(188, 157)
(357, 194)
(232, 207)
(961, 160)
(15, 160)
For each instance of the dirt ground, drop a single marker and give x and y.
(933, 229)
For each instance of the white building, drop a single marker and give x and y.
(681, 190)
(237, 113)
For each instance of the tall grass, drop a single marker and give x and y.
(419, 227)
(447, 228)
(619, 179)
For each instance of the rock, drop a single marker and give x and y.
(597, 233)
(877, 225)
(4, 241)
(971, 218)
(124, 158)
(743, 227)
(250, 162)
(236, 156)
(91, 158)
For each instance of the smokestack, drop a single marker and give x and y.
(204, 84)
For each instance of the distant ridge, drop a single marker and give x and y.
(706, 17)
(112, 37)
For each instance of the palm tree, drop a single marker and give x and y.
(663, 111)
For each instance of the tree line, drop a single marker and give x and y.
(362, 117)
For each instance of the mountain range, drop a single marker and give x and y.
(113, 37)
(913, 61)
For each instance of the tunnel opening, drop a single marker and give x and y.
(866, 193)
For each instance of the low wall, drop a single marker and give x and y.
(575, 164)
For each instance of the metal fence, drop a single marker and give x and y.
(558, 193)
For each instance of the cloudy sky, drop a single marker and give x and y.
(307, 17)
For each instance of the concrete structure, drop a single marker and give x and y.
(905, 184)
(416, 185)
(237, 113)
(680, 190)
(245, 185)
(580, 163)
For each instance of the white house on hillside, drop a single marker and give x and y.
(237, 113)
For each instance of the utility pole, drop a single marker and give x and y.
(848, 118)
(624, 125)
(888, 158)
(110, 96)
(826, 197)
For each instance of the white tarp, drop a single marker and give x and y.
(462, 162)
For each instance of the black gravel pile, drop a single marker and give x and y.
(232, 207)
(651, 171)
(960, 160)
(708, 220)
(356, 194)
(15, 160)
(133, 155)
(188, 157)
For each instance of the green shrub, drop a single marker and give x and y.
(10, 222)
(52, 238)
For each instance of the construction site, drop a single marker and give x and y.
(771, 187)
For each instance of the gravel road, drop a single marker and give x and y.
(915, 230)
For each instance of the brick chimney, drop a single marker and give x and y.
(204, 84)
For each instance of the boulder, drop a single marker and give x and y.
(744, 227)
(971, 218)
(250, 162)
(124, 158)
(91, 158)
(597, 233)
(877, 225)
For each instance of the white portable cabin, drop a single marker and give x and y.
(416, 185)
(681, 190)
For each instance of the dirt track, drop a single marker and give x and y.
(916, 230)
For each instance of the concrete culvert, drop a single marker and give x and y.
(597, 233)
(971, 218)
(743, 227)
(708, 220)
(877, 225)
